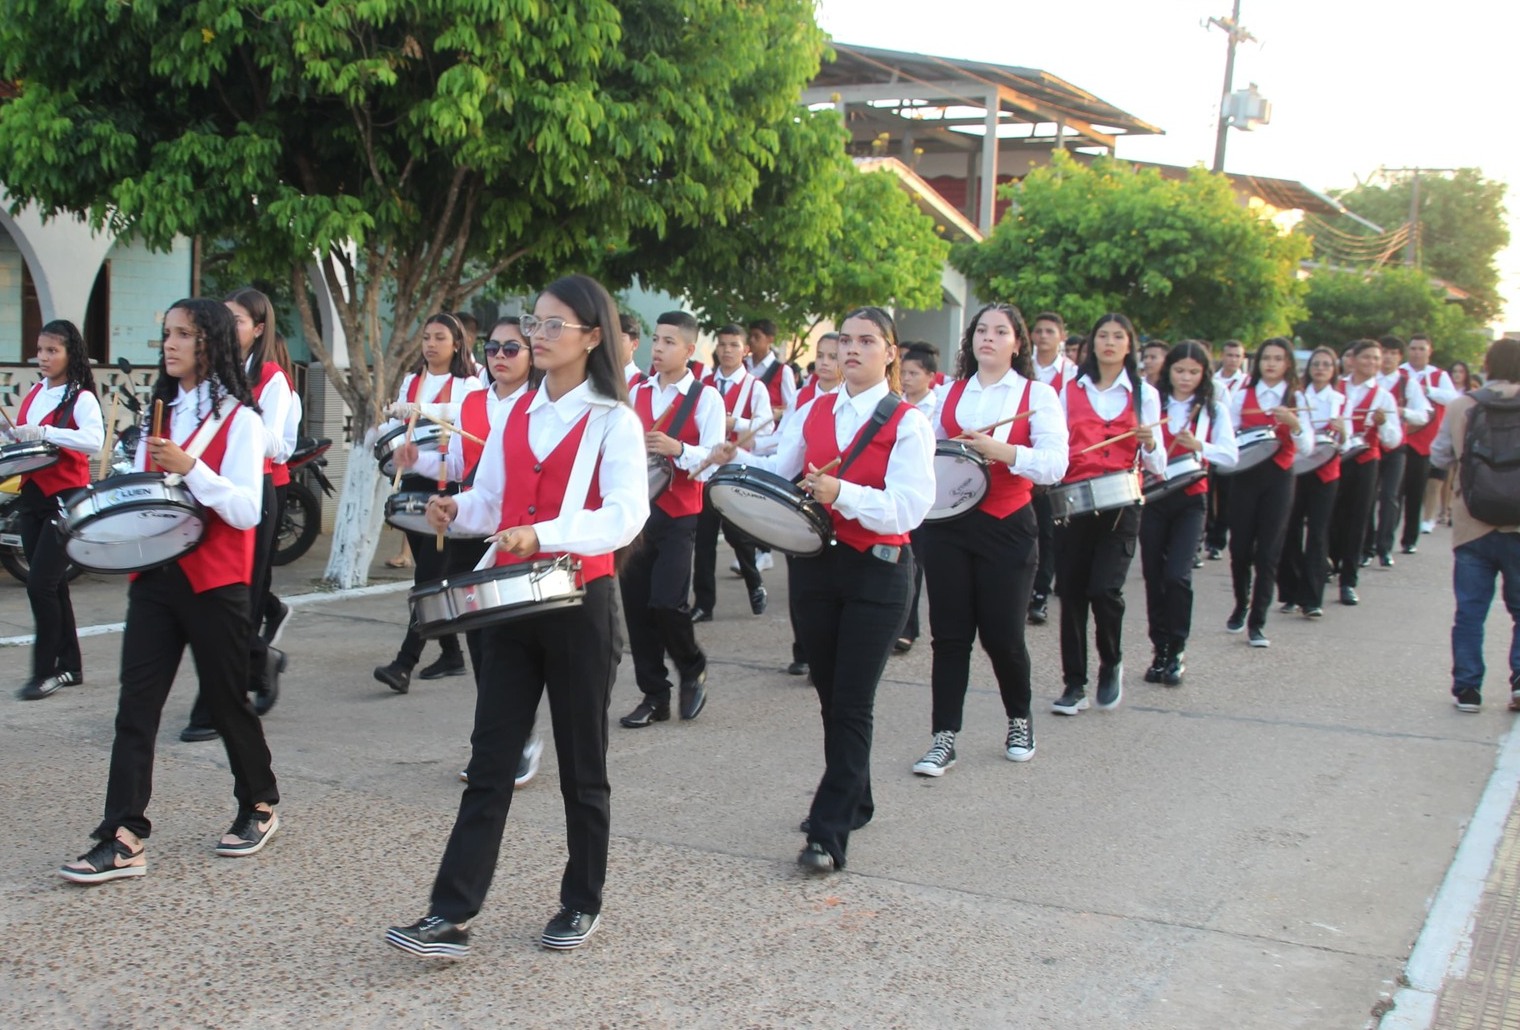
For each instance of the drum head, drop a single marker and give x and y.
(135, 538)
(408, 511)
(425, 436)
(961, 481)
(770, 509)
(17, 459)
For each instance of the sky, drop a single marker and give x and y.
(1354, 86)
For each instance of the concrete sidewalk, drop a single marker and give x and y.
(1256, 849)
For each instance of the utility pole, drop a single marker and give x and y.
(1237, 34)
(1412, 247)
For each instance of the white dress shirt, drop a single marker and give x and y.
(1327, 411)
(622, 475)
(91, 432)
(928, 403)
(788, 383)
(1110, 403)
(1043, 461)
(1224, 386)
(497, 408)
(709, 417)
(236, 491)
(1269, 398)
(1390, 433)
(632, 372)
(1217, 433)
(427, 396)
(1414, 409)
(901, 505)
(752, 409)
(1438, 387)
(1062, 367)
(274, 411)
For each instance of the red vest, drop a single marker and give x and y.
(1085, 429)
(636, 380)
(225, 555)
(1251, 417)
(1369, 431)
(807, 393)
(474, 418)
(73, 467)
(535, 489)
(870, 469)
(777, 372)
(415, 387)
(1419, 440)
(742, 388)
(278, 470)
(684, 495)
(1007, 492)
(1168, 438)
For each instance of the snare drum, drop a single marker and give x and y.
(1257, 444)
(1326, 445)
(1100, 493)
(1355, 447)
(485, 597)
(425, 436)
(407, 511)
(1181, 472)
(661, 472)
(17, 459)
(131, 523)
(772, 510)
(961, 480)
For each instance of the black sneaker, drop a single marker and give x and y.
(693, 694)
(1314, 613)
(431, 937)
(395, 675)
(252, 829)
(527, 765)
(1289, 609)
(797, 669)
(108, 860)
(193, 734)
(649, 710)
(1039, 610)
(274, 625)
(757, 601)
(267, 691)
(940, 756)
(569, 929)
(1175, 667)
(1348, 596)
(1259, 638)
(1110, 686)
(1468, 699)
(1071, 702)
(701, 615)
(1213, 554)
(815, 858)
(70, 679)
(1236, 622)
(447, 665)
(39, 687)
(1018, 746)
(1365, 561)
(1407, 549)
(1157, 667)
(1385, 559)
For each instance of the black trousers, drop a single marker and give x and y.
(1416, 475)
(1302, 571)
(164, 615)
(266, 603)
(573, 654)
(1045, 567)
(1170, 529)
(1261, 499)
(850, 606)
(428, 564)
(1383, 519)
(791, 611)
(1348, 524)
(910, 627)
(705, 561)
(1093, 555)
(656, 581)
(462, 556)
(56, 648)
(980, 570)
(1217, 529)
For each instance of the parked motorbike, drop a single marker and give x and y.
(301, 520)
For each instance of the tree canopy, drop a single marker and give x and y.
(1345, 305)
(1181, 258)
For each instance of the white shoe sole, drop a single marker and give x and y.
(411, 947)
(1061, 709)
(924, 769)
(240, 851)
(568, 943)
(1019, 756)
(104, 876)
(1262, 642)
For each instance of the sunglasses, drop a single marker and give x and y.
(509, 350)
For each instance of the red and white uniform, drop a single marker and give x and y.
(1094, 415)
(1362, 399)
(1439, 391)
(478, 414)
(1225, 386)
(1057, 374)
(700, 433)
(1039, 439)
(275, 393)
(1213, 428)
(437, 395)
(77, 439)
(1327, 408)
(633, 375)
(776, 378)
(1248, 410)
(1414, 408)
(745, 399)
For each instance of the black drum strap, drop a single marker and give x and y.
(683, 413)
(879, 418)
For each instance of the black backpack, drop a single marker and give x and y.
(1491, 459)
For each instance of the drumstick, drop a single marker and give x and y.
(105, 443)
(411, 424)
(1269, 411)
(1004, 422)
(659, 422)
(827, 468)
(156, 430)
(450, 427)
(443, 470)
(745, 439)
(1116, 439)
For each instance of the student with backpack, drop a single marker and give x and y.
(1480, 440)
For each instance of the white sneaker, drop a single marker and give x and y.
(1427, 525)
(527, 765)
(763, 561)
(939, 757)
(733, 566)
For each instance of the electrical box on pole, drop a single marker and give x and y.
(1247, 109)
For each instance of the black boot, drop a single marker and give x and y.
(1158, 664)
(1175, 666)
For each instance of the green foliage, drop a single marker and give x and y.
(1346, 305)
(1462, 228)
(1181, 258)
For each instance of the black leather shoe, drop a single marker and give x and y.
(446, 665)
(1110, 685)
(1213, 554)
(797, 669)
(1157, 668)
(648, 710)
(1175, 667)
(569, 929)
(816, 859)
(1408, 549)
(395, 675)
(757, 600)
(39, 687)
(701, 615)
(268, 691)
(431, 938)
(194, 734)
(902, 645)
(693, 695)
(1236, 622)
(1039, 610)
(274, 625)
(1385, 559)
(1348, 595)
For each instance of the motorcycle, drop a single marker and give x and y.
(301, 520)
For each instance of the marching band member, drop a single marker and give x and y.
(683, 421)
(1374, 418)
(1420, 487)
(825, 380)
(980, 566)
(1414, 412)
(632, 374)
(747, 412)
(575, 434)
(1230, 377)
(62, 410)
(870, 461)
(438, 386)
(918, 366)
(1171, 526)
(1106, 404)
(766, 365)
(1301, 573)
(1261, 498)
(216, 443)
(1053, 368)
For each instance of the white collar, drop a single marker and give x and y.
(573, 404)
(863, 402)
(632, 369)
(1061, 362)
(736, 376)
(1011, 379)
(681, 385)
(1122, 381)
(751, 363)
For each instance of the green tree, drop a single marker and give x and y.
(1345, 305)
(1462, 228)
(411, 151)
(1181, 258)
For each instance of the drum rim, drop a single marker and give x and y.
(84, 521)
(957, 450)
(410, 495)
(780, 488)
(960, 448)
(22, 446)
(422, 432)
(474, 577)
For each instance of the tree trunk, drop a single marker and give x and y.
(361, 510)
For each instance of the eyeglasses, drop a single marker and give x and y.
(510, 350)
(549, 328)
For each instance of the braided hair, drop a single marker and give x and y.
(218, 361)
(78, 375)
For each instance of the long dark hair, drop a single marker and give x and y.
(1290, 377)
(268, 345)
(594, 306)
(1335, 366)
(1184, 351)
(1088, 369)
(218, 361)
(462, 364)
(515, 321)
(1467, 374)
(888, 326)
(1023, 363)
(78, 376)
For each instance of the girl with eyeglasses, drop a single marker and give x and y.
(1302, 572)
(578, 419)
(443, 378)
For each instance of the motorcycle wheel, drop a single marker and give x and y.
(300, 523)
(15, 563)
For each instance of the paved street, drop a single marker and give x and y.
(1255, 849)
